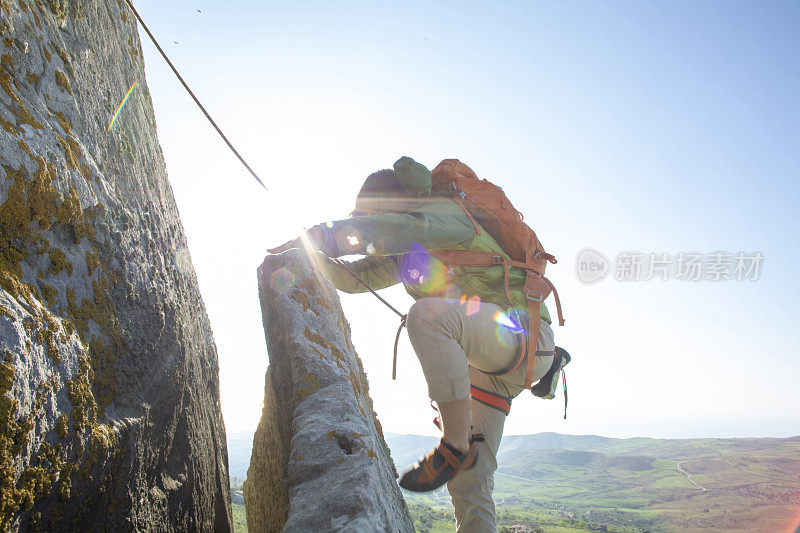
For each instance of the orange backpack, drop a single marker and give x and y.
(487, 207)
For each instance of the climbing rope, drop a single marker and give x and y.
(238, 155)
(196, 101)
(403, 317)
(342, 264)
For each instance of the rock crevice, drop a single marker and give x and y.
(319, 460)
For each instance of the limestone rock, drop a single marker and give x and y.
(109, 391)
(319, 460)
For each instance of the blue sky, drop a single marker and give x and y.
(620, 126)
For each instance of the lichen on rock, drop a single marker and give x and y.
(109, 391)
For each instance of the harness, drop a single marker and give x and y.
(501, 403)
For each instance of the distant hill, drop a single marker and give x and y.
(638, 484)
(406, 449)
(574, 482)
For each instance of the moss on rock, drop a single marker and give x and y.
(63, 82)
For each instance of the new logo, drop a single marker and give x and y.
(591, 266)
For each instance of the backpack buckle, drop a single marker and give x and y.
(497, 260)
(533, 295)
(455, 189)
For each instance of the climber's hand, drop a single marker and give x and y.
(294, 243)
(312, 241)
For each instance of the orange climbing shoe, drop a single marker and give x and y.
(438, 467)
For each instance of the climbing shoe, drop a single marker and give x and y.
(546, 387)
(438, 467)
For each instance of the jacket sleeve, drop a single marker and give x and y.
(378, 272)
(433, 227)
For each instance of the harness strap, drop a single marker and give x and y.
(501, 403)
(437, 419)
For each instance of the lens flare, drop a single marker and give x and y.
(124, 101)
(311, 252)
(415, 265)
(282, 280)
(353, 240)
(506, 321)
(473, 305)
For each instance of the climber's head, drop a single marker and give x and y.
(381, 193)
(394, 191)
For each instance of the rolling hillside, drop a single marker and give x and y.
(569, 483)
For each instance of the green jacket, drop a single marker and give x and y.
(396, 246)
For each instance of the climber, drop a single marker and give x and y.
(468, 325)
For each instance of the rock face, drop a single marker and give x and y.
(109, 392)
(319, 459)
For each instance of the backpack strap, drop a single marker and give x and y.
(457, 199)
(537, 288)
(558, 301)
(534, 322)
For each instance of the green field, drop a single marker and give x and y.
(566, 484)
(239, 514)
(239, 518)
(591, 483)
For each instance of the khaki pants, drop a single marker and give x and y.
(454, 342)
